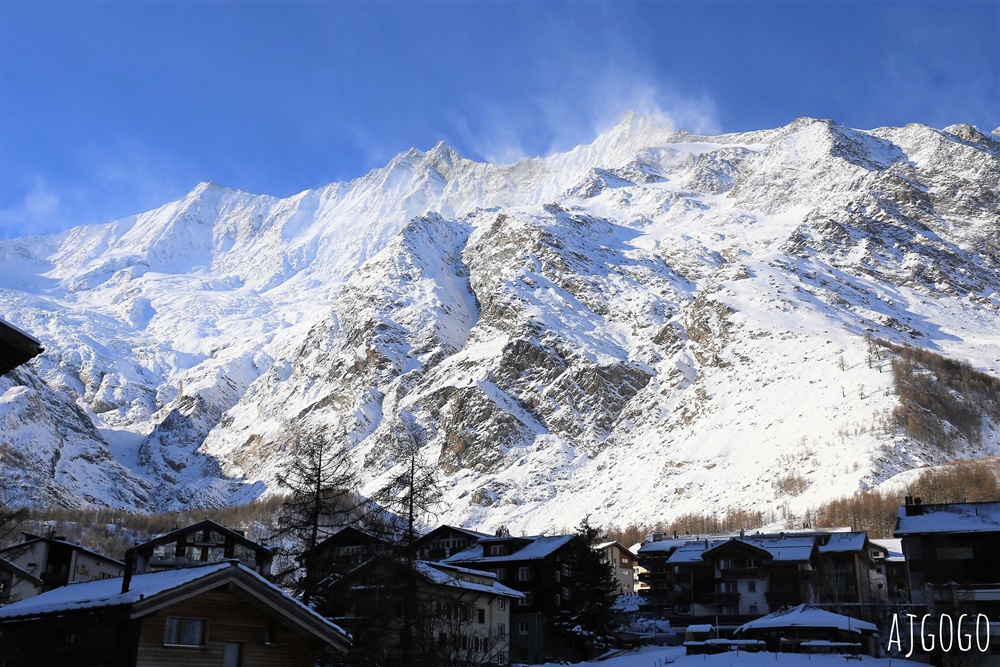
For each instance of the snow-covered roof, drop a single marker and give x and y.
(804, 616)
(949, 518)
(894, 547)
(538, 547)
(662, 545)
(144, 589)
(784, 548)
(848, 541)
(108, 592)
(700, 628)
(449, 575)
(691, 552)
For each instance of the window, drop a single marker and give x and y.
(525, 574)
(557, 575)
(527, 600)
(162, 551)
(482, 616)
(558, 600)
(501, 630)
(753, 610)
(498, 549)
(233, 655)
(271, 634)
(522, 628)
(184, 631)
(503, 603)
(499, 573)
(751, 587)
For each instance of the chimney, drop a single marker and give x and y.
(129, 569)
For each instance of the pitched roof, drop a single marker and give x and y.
(238, 536)
(804, 616)
(893, 548)
(449, 575)
(536, 547)
(948, 518)
(465, 531)
(664, 545)
(20, 572)
(31, 538)
(16, 347)
(149, 593)
(785, 548)
(845, 541)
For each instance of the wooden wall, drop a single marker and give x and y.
(231, 617)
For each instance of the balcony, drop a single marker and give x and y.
(742, 573)
(719, 597)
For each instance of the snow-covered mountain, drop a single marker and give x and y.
(650, 324)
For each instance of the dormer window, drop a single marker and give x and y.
(498, 549)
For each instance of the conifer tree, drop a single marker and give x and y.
(321, 481)
(590, 616)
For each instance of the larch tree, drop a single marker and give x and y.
(321, 482)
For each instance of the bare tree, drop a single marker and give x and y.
(321, 481)
(412, 493)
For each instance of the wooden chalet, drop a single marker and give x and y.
(345, 550)
(200, 543)
(219, 614)
(446, 541)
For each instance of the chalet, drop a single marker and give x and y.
(17, 584)
(445, 541)
(735, 578)
(951, 556)
(457, 614)
(347, 549)
(622, 563)
(538, 567)
(200, 543)
(16, 347)
(56, 562)
(219, 614)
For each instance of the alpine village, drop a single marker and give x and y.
(342, 580)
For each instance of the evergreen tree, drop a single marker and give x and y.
(590, 616)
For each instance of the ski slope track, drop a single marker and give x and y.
(651, 324)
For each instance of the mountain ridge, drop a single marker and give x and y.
(601, 323)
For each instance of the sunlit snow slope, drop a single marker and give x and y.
(650, 324)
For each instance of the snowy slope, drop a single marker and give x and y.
(653, 323)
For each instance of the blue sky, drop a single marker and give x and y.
(109, 108)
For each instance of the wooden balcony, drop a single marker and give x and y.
(719, 597)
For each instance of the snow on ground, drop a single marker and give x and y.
(657, 656)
